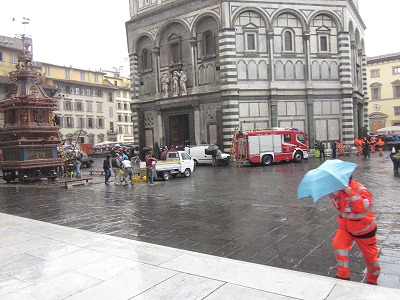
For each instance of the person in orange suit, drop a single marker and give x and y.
(358, 145)
(356, 223)
(372, 141)
(380, 145)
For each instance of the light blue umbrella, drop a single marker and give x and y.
(333, 175)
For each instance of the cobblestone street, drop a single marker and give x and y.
(248, 213)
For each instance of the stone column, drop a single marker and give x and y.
(193, 44)
(310, 122)
(354, 64)
(133, 62)
(364, 87)
(156, 55)
(228, 81)
(306, 39)
(346, 81)
(270, 40)
(197, 123)
(159, 134)
(274, 110)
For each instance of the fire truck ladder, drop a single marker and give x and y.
(241, 150)
(233, 151)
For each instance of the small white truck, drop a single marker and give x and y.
(202, 156)
(177, 162)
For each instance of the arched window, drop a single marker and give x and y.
(288, 40)
(209, 46)
(146, 60)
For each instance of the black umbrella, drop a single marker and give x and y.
(212, 147)
(147, 149)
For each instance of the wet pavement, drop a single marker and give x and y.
(248, 213)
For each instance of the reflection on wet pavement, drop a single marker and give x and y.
(247, 213)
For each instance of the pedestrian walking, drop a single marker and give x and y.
(126, 165)
(356, 223)
(358, 145)
(321, 148)
(395, 157)
(116, 165)
(150, 168)
(107, 168)
(333, 146)
(380, 144)
(366, 148)
(372, 141)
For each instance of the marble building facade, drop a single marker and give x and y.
(201, 69)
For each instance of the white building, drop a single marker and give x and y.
(200, 69)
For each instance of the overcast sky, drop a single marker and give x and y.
(90, 34)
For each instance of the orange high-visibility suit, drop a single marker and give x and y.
(356, 222)
(380, 145)
(372, 141)
(358, 145)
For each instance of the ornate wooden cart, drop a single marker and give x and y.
(29, 139)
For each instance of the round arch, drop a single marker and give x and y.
(202, 16)
(262, 14)
(330, 14)
(139, 37)
(165, 25)
(297, 14)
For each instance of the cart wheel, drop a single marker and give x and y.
(8, 178)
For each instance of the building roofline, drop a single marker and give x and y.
(382, 58)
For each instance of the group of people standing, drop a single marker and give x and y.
(369, 144)
(120, 165)
(72, 164)
(365, 147)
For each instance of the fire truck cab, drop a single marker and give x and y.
(271, 145)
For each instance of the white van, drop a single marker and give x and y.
(198, 153)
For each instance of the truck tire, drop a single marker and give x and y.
(298, 157)
(267, 160)
(196, 163)
(165, 176)
(187, 173)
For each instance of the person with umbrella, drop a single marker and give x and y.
(356, 223)
(356, 219)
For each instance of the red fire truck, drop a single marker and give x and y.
(271, 145)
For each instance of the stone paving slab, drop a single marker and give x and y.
(108, 267)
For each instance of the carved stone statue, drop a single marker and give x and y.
(183, 83)
(175, 84)
(164, 84)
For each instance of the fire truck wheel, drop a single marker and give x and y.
(267, 160)
(298, 157)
